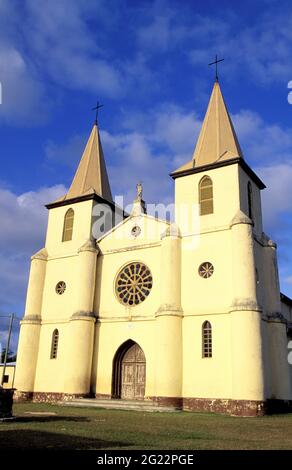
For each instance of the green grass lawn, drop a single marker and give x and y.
(57, 427)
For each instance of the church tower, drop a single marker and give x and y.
(58, 313)
(235, 273)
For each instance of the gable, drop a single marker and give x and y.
(140, 230)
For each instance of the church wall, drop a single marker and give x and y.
(212, 242)
(261, 291)
(286, 311)
(215, 294)
(120, 323)
(81, 229)
(268, 292)
(121, 238)
(109, 265)
(50, 373)
(266, 358)
(207, 377)
(225, 194)
(55, 306)
(277, 384)
(260, 274)
(270, 276)
(212, 298)
(244, 179)
(110, 337)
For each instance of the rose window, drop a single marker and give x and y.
(206, 270)
(60, 287)
(133, 284)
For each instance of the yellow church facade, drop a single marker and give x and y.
(185, 314)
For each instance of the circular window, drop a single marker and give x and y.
(133, 284)
(135, 232)
(61, 287)
(206, 270)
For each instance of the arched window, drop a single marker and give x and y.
(207, 339)
(206, 196)
(54, 346)
(249, 197)
(68, 225)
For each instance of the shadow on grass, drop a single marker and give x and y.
(50, 419)
(40, 440)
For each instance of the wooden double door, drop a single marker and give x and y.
(133, 374)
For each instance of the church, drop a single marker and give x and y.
(176, 314)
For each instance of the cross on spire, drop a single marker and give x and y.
(97, 107)
(216, 61)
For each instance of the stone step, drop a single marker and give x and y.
(118, 405)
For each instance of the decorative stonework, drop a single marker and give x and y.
(136, 231)
(133, 284)
(41, 255)
(60, 288)
(251, 408)
(225, 406)
(23, 396)
(206, 270)
(171, 231)
(89, 245)
(33, 319)
(103, 396)
(82, 315)
(48, 397)
(176, 402)
(169, 310)
(240, 218)
(245, 305)
(276, 316)
(272, 244)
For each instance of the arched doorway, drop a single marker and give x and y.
(129, 372)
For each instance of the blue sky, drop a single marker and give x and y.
(147, 62)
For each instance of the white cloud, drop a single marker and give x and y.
(262, 143)
(53, 40)
(22, 93)
(135, 161)
(23, 223)
(159, 34)
(176, 128)
(266, 62)
(263, 48)
(66, 43)
(68, 153)
(277, 198)
(71, 52)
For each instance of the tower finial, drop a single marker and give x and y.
(97, 107)
(216, 61)
(139, 189)
(139, 206)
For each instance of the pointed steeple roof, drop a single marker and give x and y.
(91, 175)
(217, 141)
